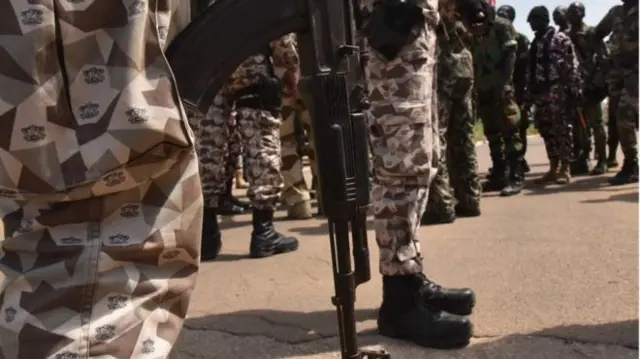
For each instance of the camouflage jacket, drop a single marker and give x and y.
(455, 61)
(552, 61)
(492, 71)
(89, 100)
(522, 61)
(419, 49)
(281, 54)
(588, 50)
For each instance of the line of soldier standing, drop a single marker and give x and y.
(559, 80)
(429, 74)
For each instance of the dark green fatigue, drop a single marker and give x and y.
(590, 56)
(458, 161)
(519, 82)
(494, 57)
(622, 23)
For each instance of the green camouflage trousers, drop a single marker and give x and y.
(627, 117)
(595, 124)
(500, 120)
(109, 276)
(295, 187)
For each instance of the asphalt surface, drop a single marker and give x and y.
(554, 269)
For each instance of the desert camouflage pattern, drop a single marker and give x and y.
(295, 189)
(259, 131)
(404, 143)
(90, 111)
(108, 276)
(101, 199)
(455, 106)
(555, 105)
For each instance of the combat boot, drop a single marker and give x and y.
(468, 210)
(564, 174)
(240, 182)
(525, 166)
(412, 309)
(612, 160)
(265, 240)
(515, 183)
(211, 236)
(300, 210)
(497, 178)
(445, 217)
(601, 165)
(226, 206)
(580, 167)
(551, 175)
(628, 173)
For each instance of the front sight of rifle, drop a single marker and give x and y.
(220, 37)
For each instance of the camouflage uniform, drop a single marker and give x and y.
(519, 82)
(404, 143)
(553, 82)
(497, 107)
(259, 130)
(611, 79)
(622, 23)
(455, 83)
(101, 199)
(587, 51)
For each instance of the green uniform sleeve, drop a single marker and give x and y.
(508, 38)
(605, 26)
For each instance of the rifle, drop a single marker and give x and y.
(207, 52)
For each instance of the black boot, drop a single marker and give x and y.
(525, 166)
(580, 167)
(601, 165)
(227, 207)
(612, 160)
(236, 201)
(211, 237)
(515, 183)
(468, 210)
(497, 179)
(628, 173)
(429, 218)
(265, 241)
(412, 309)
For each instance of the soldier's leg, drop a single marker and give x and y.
(581, 137)
(108, 276)
(525, 122)
(595, 121)
(462, 159)
(295, 193)
(627, 117)
(543, 120)
(562, 128)
(402, 145)
(212, 142)
(260, 131)
(513, 147)
(612, 131)
(229, 205)
(491, 116)
(440, 206)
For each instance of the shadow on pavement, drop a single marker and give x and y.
(622, 197)
(578, 184)
(294, 334)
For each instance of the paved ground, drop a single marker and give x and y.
(555, 272)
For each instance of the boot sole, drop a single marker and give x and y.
(281, 250)
(435, 343)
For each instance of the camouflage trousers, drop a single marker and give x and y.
(107, 277)
(501, 123)
(259, 133)
(553, 118)
(627, 118)
(595, 128)
(462, 162)
(612, 123)
(404, 145)
(440, 194)
(295, 187)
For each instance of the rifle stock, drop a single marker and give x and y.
(205, 54)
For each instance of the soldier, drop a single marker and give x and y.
(296, 194)
(587, 52)
(622, 23)
(553, 87)
(494, 56)
(403, 136)
(100, 193)
(613, 97)
(458, 155)
(519, 79)
(256, 93)
(560, 18)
